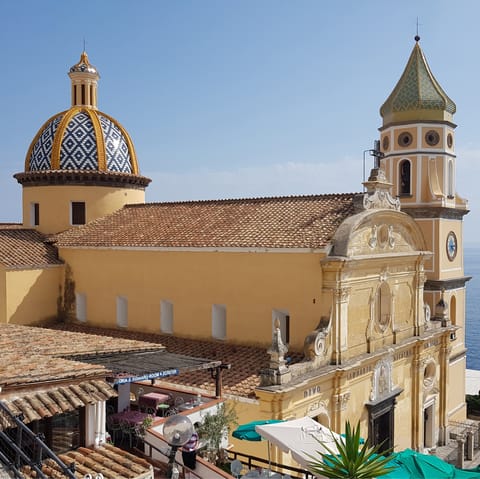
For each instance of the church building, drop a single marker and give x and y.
(368, 286)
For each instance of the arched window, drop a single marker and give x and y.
(404, 178)
(453, 310)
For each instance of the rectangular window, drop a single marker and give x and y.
(284, 323)
(219, 321)
(81, 306)
(122, 311)
(78, 212)
(166, 316)
(34, 214)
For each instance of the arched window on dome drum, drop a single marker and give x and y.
(404, 178)
(34, 214)
(77, 213)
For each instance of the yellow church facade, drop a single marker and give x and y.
(369, 287)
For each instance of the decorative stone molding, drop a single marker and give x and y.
(341, 400)
(378, 192)
(341, 295)
(316, 343)
(383, 276)
(382, 384)
(316, 408)
(372, 242)
(427, 314)
(429, 374)
(277, 372)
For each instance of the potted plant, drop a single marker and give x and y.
(354, 459)
(142, 428)
(213, 429)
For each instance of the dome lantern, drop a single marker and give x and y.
(84, 78)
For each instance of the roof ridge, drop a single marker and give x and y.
(244, 199)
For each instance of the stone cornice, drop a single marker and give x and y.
(446, 284)
(414, 123)
(435, 212)
(82, 177)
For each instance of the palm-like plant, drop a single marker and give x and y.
(353, 461)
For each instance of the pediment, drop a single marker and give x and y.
(378, 232)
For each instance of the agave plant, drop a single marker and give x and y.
(354, 459)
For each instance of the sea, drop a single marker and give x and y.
(472, 326)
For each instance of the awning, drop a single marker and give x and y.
(126, 367)
(48, 402)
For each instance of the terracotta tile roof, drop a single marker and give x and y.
(55, 399)
(240, 380)
(48, 352)
(106, 459)
(283, 222)
(25, 248)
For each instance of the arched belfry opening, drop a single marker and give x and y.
(404, 178)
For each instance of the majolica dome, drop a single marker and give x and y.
(82, 139)
(417, 95)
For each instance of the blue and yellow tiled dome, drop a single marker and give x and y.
(82, 138)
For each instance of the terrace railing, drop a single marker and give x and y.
(22, 448)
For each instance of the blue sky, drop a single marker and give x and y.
(230, 99)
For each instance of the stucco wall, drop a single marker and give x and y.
(31, 295)
(250, 285)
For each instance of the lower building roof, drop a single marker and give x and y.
(54, 399)
(240, 380)
(108, 460)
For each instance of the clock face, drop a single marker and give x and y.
(451, 246)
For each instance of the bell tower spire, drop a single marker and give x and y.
(84, 77)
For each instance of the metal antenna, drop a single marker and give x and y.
(417, 36)
(84, 44)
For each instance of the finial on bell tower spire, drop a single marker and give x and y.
(417, 36)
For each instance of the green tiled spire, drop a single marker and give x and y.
(417, 95)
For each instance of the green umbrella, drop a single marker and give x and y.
(247, 431)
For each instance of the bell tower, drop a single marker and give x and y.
(417, 138)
